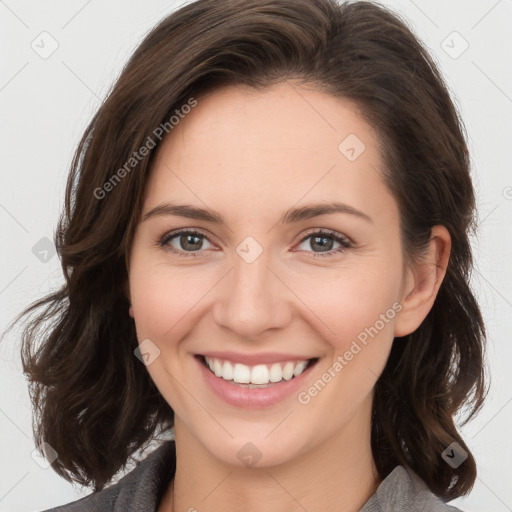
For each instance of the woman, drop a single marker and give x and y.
(265, 246)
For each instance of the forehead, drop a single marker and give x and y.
(284, 144)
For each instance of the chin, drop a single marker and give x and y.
(253, 447)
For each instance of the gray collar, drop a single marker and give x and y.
(403, 491)
(143, 487)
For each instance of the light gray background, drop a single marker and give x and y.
(46, 104)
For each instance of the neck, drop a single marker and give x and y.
(337, 475)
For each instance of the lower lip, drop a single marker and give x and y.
(255, 398)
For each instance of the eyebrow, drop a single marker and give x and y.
(291, 216)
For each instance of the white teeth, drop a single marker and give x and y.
(299, 368)
(260, 374)
(227, 371)
(288, 370)
(217, 368)
(275, 374)
(241, 374)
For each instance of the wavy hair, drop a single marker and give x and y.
(94, 402)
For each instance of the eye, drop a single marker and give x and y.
(185, 242)
(324, 241)
(189, 242)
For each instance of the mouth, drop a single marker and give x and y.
(258, 376)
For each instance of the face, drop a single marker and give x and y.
(266, 285)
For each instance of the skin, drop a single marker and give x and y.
(250, 156)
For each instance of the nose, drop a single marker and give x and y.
(253, 299)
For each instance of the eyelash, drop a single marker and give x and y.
(343, 241)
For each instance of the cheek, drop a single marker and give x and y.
(353, 303)
(162, 296)
(360, 314)
(163, 299)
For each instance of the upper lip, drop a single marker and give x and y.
(254, 359)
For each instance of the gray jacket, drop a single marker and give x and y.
(142, 489)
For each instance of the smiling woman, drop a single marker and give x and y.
(282, 278)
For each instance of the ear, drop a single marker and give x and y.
(422, 282)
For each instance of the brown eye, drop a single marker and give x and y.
(184, 241)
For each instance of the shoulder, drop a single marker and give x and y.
(139, 490)
(403, 491)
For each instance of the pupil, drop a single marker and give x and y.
(322, 245)
(186, 245)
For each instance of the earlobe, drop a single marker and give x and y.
(423, 282)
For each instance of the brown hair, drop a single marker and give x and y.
(95, 403)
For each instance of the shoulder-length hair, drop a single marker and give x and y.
(94, 402)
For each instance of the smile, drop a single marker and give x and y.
(261, 374)
(262, 382)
